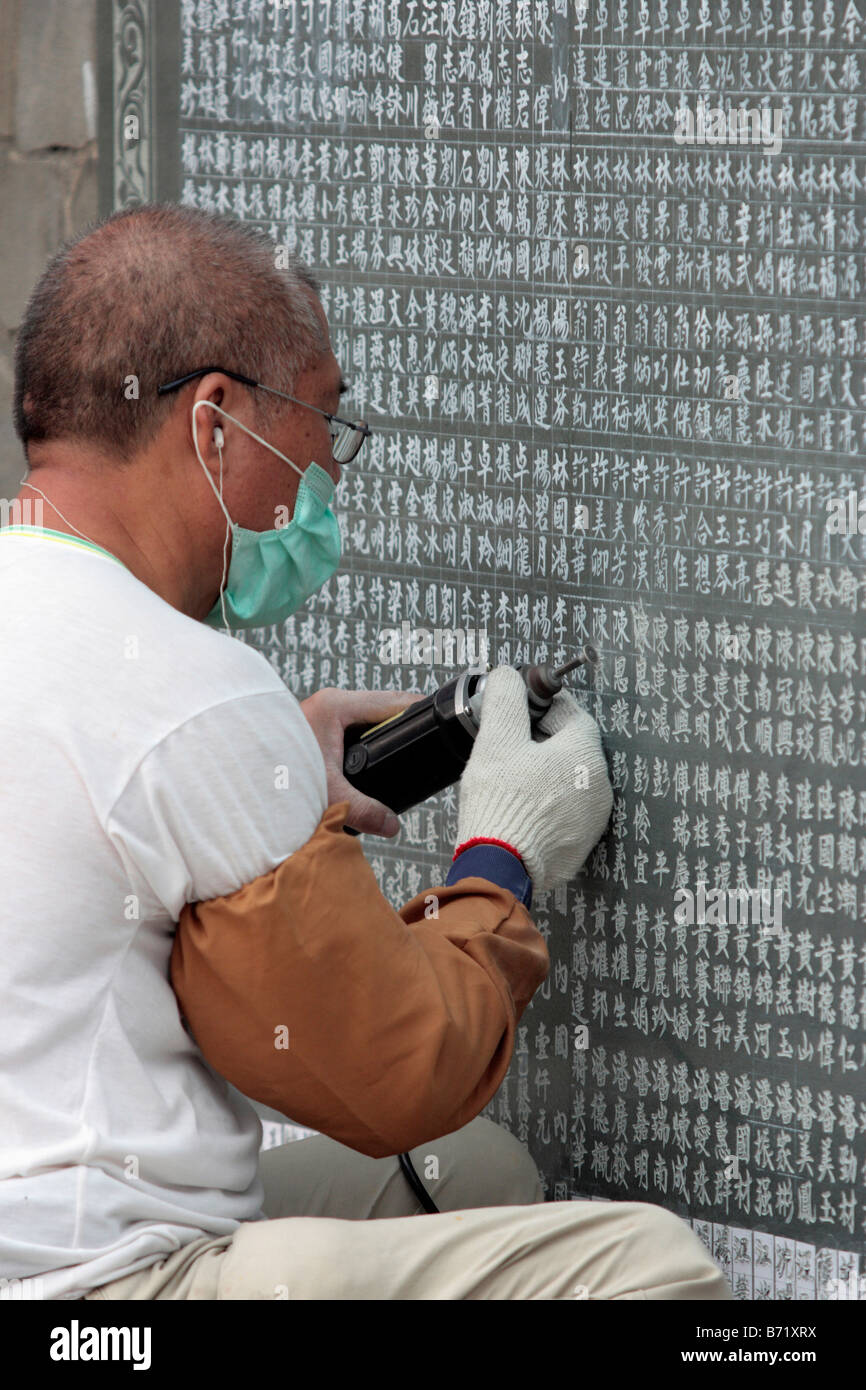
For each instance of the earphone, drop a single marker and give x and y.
(219, 438)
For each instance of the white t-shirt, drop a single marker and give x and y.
(144, 759)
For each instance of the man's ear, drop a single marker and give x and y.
(203, 422)
(207, 428)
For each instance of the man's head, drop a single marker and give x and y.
(152, 293)
(143, 298)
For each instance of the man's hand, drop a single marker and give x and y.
(550, 800)
(329, 713)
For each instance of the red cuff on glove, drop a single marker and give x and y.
(485, 840)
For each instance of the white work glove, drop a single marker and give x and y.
(552, 799)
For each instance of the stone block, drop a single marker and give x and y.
(8, 64)
(84, 207)
(32, 225)
(55, 102)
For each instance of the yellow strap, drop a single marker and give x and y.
(59, 538)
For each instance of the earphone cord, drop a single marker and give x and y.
(417, 1186)
(34, 488)
(226, 541)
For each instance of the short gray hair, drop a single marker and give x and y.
(155, 292)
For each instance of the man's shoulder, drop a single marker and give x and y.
(194, 705)
(176, 731)
(225, 663)
(171, 655)
(186, 666)
(105, 652)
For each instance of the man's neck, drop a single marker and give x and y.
(123, 509)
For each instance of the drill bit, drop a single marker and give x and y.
(544, 682)
(588, 655)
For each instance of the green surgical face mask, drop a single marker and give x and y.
(273, 572)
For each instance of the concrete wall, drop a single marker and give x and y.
(48, 184)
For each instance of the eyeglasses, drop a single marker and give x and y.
(346, 436)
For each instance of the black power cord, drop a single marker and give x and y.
(417, 1186)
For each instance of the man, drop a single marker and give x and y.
(182, 905)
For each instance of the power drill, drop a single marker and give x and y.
(414, 754)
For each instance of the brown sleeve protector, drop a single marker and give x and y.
(382, 1029)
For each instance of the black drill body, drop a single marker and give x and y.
(408, 758)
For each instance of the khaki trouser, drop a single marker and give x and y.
(344, 1226)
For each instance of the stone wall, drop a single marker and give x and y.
(48, 185)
